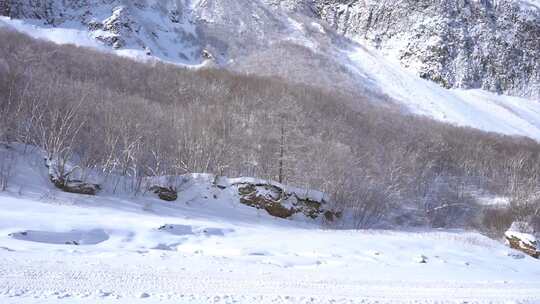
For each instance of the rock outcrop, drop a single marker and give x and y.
(493, 45)
(165, 193)
(267, 197)
(521, 237)
(144, 26)
(284, 202)
(75, 186)
(63, 179)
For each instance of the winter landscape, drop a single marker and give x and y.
(269, 151)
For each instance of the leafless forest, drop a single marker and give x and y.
(124, 118)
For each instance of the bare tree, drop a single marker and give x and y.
(55, 129)
(8, 161)
(138, 120)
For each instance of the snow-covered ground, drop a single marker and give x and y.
(472, 108)
(66, 248)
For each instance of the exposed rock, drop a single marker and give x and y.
(207, 55)
(267, 197)
(75, 186)
(119, 24)
(283, 202)
(165, 193)
(114, 41)
(422, 259)
(493, 45)
(521, 237)
(94, 25)
(144, 295)
(62, 180)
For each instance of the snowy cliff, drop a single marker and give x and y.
(492, 45)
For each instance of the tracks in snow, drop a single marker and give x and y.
(188, 279)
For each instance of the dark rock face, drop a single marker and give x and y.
(75, 186)
(493, 45)
(283, 203)
(269, 201)
(521, 236)
(518, 244)
(165, 193)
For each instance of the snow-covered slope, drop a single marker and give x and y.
(65, 248)
(475, 108)
(493, 45)
(279, 38)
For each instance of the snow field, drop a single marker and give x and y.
(200, 250)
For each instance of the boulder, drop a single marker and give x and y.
(75, 186)
(521, 237)
(422, 259)
(283, 202)
(207, 55)
(112, 40)
(264, 196)
(165, 193)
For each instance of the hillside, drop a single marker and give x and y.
(140, 120)
(382, 62)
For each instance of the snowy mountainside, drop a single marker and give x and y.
(285, 39)
(475, 108)
(125, 249)
(491, 45)
(163, 31)
(231, 34)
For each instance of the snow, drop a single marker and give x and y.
(522, 231)
(530, 3)
(526, 238)
(56, 35)
(471, 108)
(206, 247)
(493, 201)
(138, 249)
(60, 35)
(167, 49)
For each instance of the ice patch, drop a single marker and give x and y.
(74, 237)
